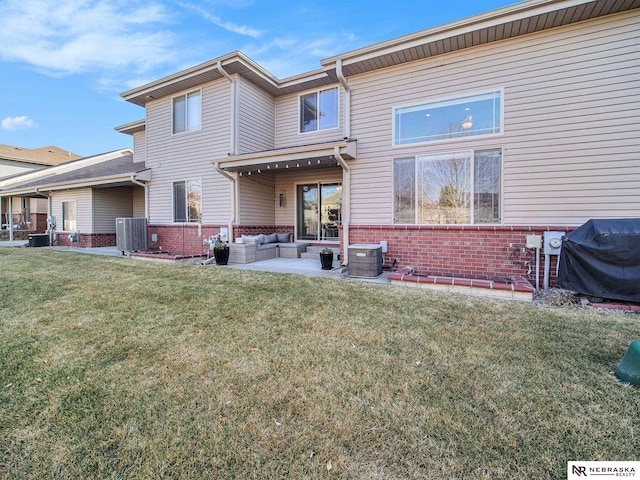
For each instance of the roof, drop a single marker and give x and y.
(50, 155)
(512, 21)
(109, 169)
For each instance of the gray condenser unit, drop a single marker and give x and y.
(131, 234)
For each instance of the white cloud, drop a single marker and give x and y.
(76, 36)
(231, 27)
(17, 123)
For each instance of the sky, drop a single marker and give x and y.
(64, 64)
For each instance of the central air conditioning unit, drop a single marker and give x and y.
(131, 234)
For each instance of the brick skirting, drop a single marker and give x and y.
(479, 252)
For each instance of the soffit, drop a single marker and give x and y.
(520, 19)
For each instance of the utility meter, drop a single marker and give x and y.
(553, 242)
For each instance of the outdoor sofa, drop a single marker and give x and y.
(255, 248)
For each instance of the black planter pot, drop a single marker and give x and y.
(221, 255)
(326, 259)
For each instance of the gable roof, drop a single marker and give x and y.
(50, 155)
(512, 21)
(112, 168)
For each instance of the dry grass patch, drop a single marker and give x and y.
(113, 368)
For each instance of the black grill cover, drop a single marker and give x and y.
(602, 259)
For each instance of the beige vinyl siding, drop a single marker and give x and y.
(83, 199)
(188, 156)
(256, 118)
(10, 168)
(257, 199)
(286, 184)
(38, 205)
(139, 208)
(109, 204)
(288, 122)
(139, 147)
(571, 110)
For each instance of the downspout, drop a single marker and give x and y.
(146, 194)
(232, 147)
(234, 108)
(347, 99)
(233, 198)
(50, 226)
(346, 202)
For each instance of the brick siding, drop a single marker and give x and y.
(481, 252)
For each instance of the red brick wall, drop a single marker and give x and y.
(183, 240)
(39, 222)
(482, 252)
(86, 240)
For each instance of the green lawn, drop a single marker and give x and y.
(115, 368)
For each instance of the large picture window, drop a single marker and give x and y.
(319, 110)
(447, 119)
(69, 219)
(187, 112)
(187, 201)
(448, 188)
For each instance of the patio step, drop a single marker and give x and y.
(312, 252)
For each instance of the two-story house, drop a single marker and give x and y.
(451, 144)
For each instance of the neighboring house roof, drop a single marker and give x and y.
(520, 19)
(108, 169)
(50, 155)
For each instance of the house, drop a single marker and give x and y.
(451, 144)
(84, 197)
(20, 213)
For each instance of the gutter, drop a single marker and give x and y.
(346, 202)
(233, 196)
(234, 107)
(347, 99)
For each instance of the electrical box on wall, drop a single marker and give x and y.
(534, 241)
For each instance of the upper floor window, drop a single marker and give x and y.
(187, 110)
(319, 110)
(187, 201)
(448, 188)
(446, 119)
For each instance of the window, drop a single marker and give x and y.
(319, 110)
(456, 118)
(69, 220)
(186, 112)
(448, 188)
(187, 201)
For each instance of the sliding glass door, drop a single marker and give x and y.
(319, 211)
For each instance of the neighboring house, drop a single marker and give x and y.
(451, 144)
(84, 197)
(24, 213)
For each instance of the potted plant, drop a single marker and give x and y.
(221, 252)
(326, 258)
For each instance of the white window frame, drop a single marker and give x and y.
(318, 93)
(74, 220)
(471, 153)
(186, 200)
(186, 113)
(458, 99)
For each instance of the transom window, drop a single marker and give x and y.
(447, 119)
(187, 201)
(448, 188)
(187, 112)
(319, 110)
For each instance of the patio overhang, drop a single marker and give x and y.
(320, 155)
